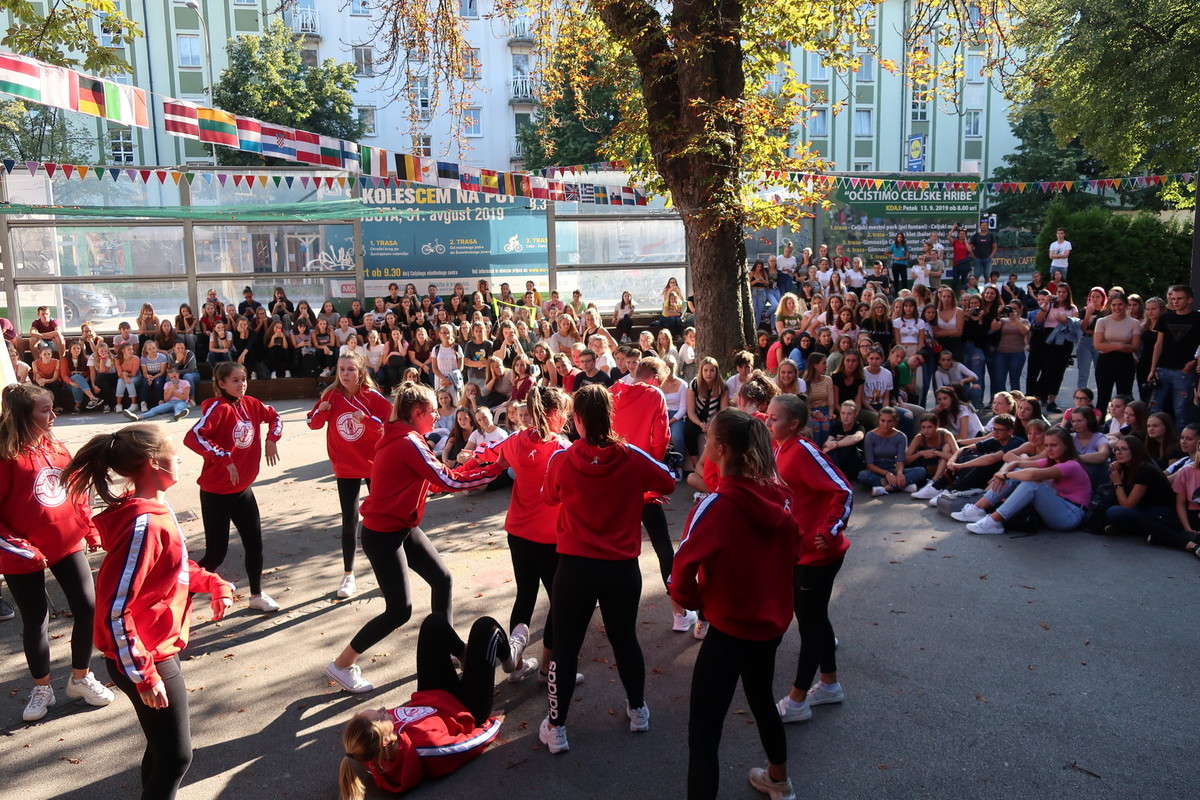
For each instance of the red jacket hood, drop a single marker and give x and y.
(769, 505)
(116, 521)
(592, 460)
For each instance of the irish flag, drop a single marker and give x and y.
(217, 127)
(125, 104)
(181, 118)
(20, 76)
(374, 161)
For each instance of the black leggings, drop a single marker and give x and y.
(654, 518)
(217, 511)
(348, 498)
(900, 275)
(168, 730)
(1054, 367)
(1113, 369)
(74, 577)
(532, 562)
(486, 646)
(578, 584)
(813, 586)
(390, 555)
(721, 661)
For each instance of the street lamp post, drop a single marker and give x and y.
(194, 5)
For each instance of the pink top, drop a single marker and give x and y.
(1074, 486)
(1057, 315)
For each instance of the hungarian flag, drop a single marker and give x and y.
(58, 88)
(20, 76)
(374, 161)
(249, 134)
(217, 127)
(125, 104)
(489, 181)
(447, 175)
(91, 95)
(181, 118)
(308, 147)
(278, 141)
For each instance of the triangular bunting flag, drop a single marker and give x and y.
(262, 180)
(276, 179)
(67, 170)
(32, 166)
(208, 177)
(237, 180)
(288, 179)
(115, 173)
(82, 171)
(176, 177)
(222, 178)
(145, 175)
(132, 174)
(50, 168)
(8, 165)
(161, 174)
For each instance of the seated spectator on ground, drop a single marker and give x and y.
(931, 449)
(743, 365)
(883, 451)
(845, 440)
(1142, 492)
(975, 465)
(1162, 443)
(1189, 438)
(952, 373)
(955, 415)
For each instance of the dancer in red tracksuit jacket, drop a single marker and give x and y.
(447, 722)
(531, 523)
(40, 527)
(355, 412)
(640, 418)
(597, 484)
(227, 435)
(392, 540)
(824, 501)
(746, 528)
(143, 589)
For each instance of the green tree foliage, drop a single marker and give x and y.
(1119, 75)
(64, 34)
(1102, 244)
(30, 132)
(266, 79)
(573, 128)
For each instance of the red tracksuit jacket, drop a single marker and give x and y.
(824, 498)
(599, 494)
(437, 736)
(351, 443)
(143, 586)
(404, 470)
(737, 557)
(228, 431)
(640, 417)
(529, 515)
(39, 523)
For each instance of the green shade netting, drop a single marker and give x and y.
(316, 211)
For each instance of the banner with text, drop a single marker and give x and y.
(430, 235)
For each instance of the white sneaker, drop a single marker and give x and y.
(933, 501)
(347, 587)
(986, 526)
(684, 622)
(554, 737)
(791, 711)
(760, 779)
(822, 694)
(701, 629)
(878, 491)
(516, 650)
(639, 718)
(144, 408)
(969, 513)
(40, 700)
(698, 496)
(263, 602)
(910, 489)
(90, 690)
(926, 492)
(350, 678)
(523, 669)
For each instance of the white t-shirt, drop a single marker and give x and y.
(823, 275)
(856, 280)
(478, 437)
(447, 358)
(734, 383)
(876, 387)
(907, 329)
(919, 275)
(786, 264)
(1059, 252)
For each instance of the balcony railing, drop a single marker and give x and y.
(305, 21)
(520, 31)
(521, 88)
(517, 151)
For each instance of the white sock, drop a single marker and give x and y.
(793, 704)
(831, 686)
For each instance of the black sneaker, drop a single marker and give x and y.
(95, 402)
(7, 612)
(1052, 408)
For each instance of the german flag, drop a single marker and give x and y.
(91, 95)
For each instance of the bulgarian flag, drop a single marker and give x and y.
(374, 161)
(249, 134)
(91, 95)
(20, 76)
(330, 152)
(125, 104)
(217, 127)
(308, 147)
(180, 118)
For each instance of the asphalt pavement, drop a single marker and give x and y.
(1052, 665)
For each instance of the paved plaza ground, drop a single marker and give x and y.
(1045, 666)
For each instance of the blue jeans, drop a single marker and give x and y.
(786, 282)
(151, 391)
(165, 409)
(79, 386)
(959, 275)
(758, 299)
(1008, 371)
(131, 388)
(773, 296)
(820, 428)
(1056, 513)
(983, 267)
(872, 479)
(1133, 521)
(1085, 356)
(193, 379)
(975, 360)
(678, 444)
(1174, 395)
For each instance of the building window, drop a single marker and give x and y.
(920, 106)
(866, 73)
(862, 166)
(366, 115)
(863, 123)
(364, 61)
(420, 97)
(473, 122)
(972, 124)
(422, 145)
(975, 14)
(189, 49)
(106, 37)
(245, 2)
(974, 69)
(120, 145)
(360, 8)
(308, 57)
(818, 123)
(817, 70)
(473, 69)
(468, 8)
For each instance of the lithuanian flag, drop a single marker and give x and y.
(217, 127)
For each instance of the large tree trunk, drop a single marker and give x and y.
(720, 285)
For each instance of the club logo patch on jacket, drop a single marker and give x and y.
(243, 434)
(48, 489)
(350, 428)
